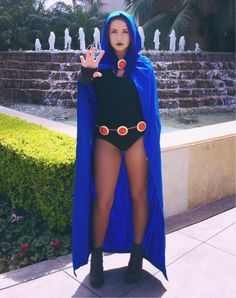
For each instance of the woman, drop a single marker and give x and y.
(118, 204)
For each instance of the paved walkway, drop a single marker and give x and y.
(201, 263)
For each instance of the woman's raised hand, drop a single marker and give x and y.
(90, 62)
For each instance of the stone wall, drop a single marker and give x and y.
(185, 80)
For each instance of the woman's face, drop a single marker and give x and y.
(119, 36)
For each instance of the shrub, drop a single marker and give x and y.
(37, 170)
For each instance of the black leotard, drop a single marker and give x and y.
(118, 104)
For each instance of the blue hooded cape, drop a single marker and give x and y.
(120, 231)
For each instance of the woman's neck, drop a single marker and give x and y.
(120, 54)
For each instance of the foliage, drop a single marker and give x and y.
(140, 8)
(25, 239)
(37, 170)
(210, 22)
(21, 22)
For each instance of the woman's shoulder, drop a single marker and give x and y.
(144, 59)
(145, 65)
(144, 62)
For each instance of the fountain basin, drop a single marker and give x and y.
(184, 79)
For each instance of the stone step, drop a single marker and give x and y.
(38, 96)
(44, 56)
(198, 83)
(34, 65)
(197, 102)
(197, 74)
(193, 65)
(67, 75)
(37, 74)
(190, 56)
(181, 103)
(181, 65)
(163, 84)
(68, 98)
(74, 56)
(196, 92)
(38, 84)
(71, 85)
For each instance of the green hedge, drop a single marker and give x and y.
(37, 170)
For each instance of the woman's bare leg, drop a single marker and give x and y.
(107, 161)
(137, 169)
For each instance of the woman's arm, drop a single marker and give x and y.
(85, 75)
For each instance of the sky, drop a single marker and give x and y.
(48, 3)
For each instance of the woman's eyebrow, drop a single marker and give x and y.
(116, 29)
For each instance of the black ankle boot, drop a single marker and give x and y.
(135, 266)
(96, 275)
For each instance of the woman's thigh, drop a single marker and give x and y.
(107, 161)
(137, 169)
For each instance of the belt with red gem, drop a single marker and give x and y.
(121, 130)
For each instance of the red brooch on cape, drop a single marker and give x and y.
(121, 64)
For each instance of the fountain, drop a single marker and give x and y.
(51, 41)
(188, 81)
(156, 39)
(197, 47)
(82, 39)
(38, 46)
(68, 39)
(172, 40)
(141, 32)
(181, 43)
(96, 36)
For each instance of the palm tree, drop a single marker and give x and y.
(21, 22)
(18, 20)
(209, 22)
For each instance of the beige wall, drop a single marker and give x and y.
(198, 166)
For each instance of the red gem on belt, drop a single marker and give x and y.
(141, 126)
(122, 130)
(104, 130)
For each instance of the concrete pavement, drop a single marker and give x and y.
(200, 255)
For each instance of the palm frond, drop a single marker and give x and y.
(180, 4)
(139, 8)
(182, 23)
(162, 22)
(228, 18)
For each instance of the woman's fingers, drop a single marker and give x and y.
(97, 74)
(99, 57)
(90, 59)
(93, 54)
(82, 59)
(87, 55)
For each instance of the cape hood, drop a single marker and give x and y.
(120, 232)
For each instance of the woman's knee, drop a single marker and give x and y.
(103, 205)
(139, 195)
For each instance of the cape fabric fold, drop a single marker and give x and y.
(120, 232)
